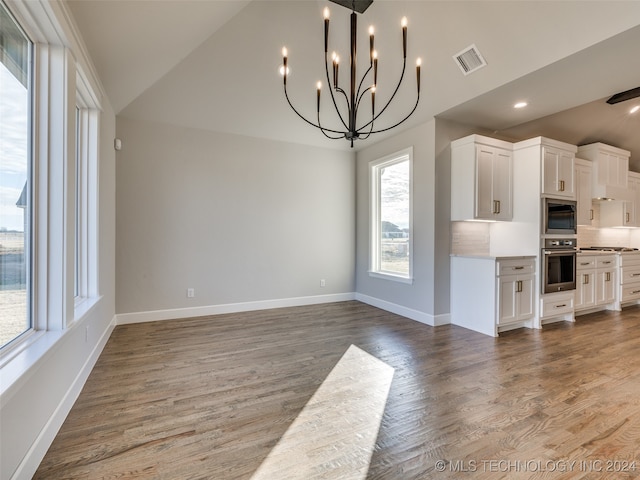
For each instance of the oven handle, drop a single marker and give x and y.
(559, 252)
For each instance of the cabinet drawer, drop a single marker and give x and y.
(629, 260)
(605, 262)
(558, 305)
(515, 266)
(630, 274)
(630, 292)
(585, 263)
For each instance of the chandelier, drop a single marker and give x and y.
(357, 90)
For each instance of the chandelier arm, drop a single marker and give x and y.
(303, 118)
(404, 67)
(370, 129)
(322, 129)
(393, 126)
(326, 69)
(362, 81)
(346, 98)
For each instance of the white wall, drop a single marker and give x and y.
(36, 405)
(238, 219)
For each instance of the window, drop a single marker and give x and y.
(86, 202)
(15, 179)
(391, 221)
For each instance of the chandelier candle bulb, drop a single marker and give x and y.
(371, 31)
(373, 100)
(326, 28)
(375, 67)
(404, 36)
(284, 65)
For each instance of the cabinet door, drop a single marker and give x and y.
(484, 182)
(524, 298)
(583, 195)
(614, 169)
(585, 289)
(508, 308)
(502, 175)
(558, 173)
(606, 287)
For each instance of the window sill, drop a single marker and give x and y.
(392, 277)
(83, 305)
(18, 363)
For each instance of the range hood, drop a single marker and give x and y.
(610, 169)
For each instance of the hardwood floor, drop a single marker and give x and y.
(210, 398)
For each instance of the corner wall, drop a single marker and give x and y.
(427, 299)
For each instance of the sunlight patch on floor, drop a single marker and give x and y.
(334, 435)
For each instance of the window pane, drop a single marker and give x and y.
(394, 218)
(14, 180)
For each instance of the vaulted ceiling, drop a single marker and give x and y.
(213, 64)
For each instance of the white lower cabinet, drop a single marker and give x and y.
(557, 305)
(596, 281)
(516, 289)
(629, 277)
(490, 295)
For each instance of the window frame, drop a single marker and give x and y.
(62, 73)
(375, 240)
(27, 335)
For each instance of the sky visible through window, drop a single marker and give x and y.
(394, 198)
(14, 138)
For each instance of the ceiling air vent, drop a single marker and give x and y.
(469, 60)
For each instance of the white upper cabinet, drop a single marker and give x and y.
(583, 191)
(623, 213)
(558, 173)
(610, 170)
(481, 179)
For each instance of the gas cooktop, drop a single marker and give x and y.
(611, 249)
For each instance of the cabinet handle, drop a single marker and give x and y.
(627, 216)
(591, 214)
(635, 274)
(518, 268)
(585, 279)
(562, 185)
(496, 206)
(607, 262)
(564, 304)
(607, 276)
(635, 291)
(585, 263)
(519, 286)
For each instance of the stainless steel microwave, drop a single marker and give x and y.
(559, 217)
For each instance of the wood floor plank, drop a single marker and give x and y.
(211, 397)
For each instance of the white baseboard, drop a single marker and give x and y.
(190, 312)
(418, 316)
(38, 450)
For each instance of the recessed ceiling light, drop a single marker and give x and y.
(635, 109)
(520, 105)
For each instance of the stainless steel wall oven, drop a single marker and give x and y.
(559, 265)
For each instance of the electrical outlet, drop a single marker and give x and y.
(191, 292)
(323, 283)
